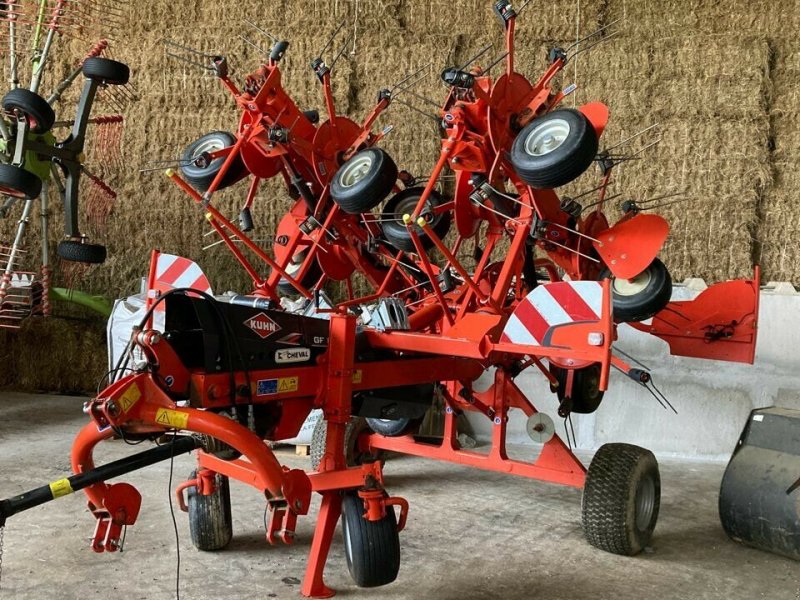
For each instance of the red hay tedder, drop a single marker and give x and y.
(224, 376)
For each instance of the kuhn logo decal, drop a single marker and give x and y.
(293, 355)
(262, 325)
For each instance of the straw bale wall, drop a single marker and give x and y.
(719, 78)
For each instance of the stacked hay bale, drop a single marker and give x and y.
(780, 227)
(710, 112)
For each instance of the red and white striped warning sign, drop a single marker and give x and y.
(551, 305)
(179, 272)
(167, 272)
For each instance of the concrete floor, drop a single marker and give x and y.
(471, 534)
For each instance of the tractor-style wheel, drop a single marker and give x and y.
(372, 548)
(19, 183)
(621, 498)
(554, 149)
(643, 296)
(364, 181)
(210, 521)
(393, 427)
(33, 107)
(586, 395)
(354, 456)
(200, 176)
(105, 70)
(311, 277)
(75, 251)
(404, 203)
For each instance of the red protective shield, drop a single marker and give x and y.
(597, 113)
(630, 246)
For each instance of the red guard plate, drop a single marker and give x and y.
(258, 161)
(329, 143)
(630, 246)
(467, 216)
(597, 113)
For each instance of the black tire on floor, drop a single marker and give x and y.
(643, 296)
(210, 521)
(37, 111)
(355, 427)
(105, 70)
(402, 203)
(74, 251)
(586, 395)
(621, 498)
(200, 178)
(19, 183)
(364, 181)
(391, 427)
(372, 548)
(554, 149)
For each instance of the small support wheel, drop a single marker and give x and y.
(75, 251)
(19, 183)
(393, 427)
(104, 70)
(354, 456)
(364, 181)
(210, 521)
(402, 203)
(372, 548)
(308, 280)
(621, 498)
(33, 107)
(554, 149)
(643, 296)
(200, 175)
(585, 395)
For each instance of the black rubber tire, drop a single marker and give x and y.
(355, 427)
(200, 178)
(621, 498)
(210, 521)
(372, 548)
(17, 182)
(357, 193)
(73, 251)
(106, 70)
(586, 395)
(313, 273)
(390, 427)
(564, 163)
(37, 111)
(394, 230)
(645, 304)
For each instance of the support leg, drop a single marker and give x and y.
(313, 583)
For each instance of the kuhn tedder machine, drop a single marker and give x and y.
(225, 375)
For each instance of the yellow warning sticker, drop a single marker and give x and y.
(60, 488)
(130, 397)
(357, 375)
(280, 385)
(288, 384)
(172, 418)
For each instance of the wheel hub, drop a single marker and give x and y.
(356, 170)
(547, 137)
(634, 286)
(204, 149)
